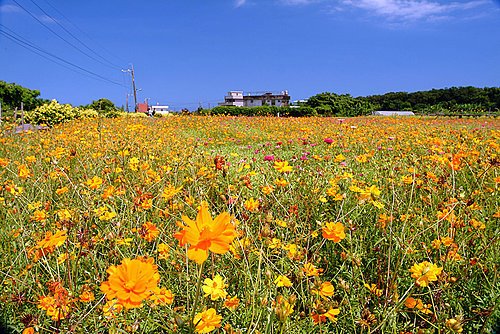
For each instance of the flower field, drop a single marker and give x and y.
(251, 225)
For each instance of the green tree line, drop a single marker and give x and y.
(11, 96)
(452, 100)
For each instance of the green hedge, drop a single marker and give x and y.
(260, 111)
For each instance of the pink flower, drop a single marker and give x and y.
(269, 158)
(328, 140)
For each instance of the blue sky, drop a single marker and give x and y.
(187, 52)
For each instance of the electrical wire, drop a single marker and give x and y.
(55, 33)
(30, 46)
(84, 33)
(75, 37)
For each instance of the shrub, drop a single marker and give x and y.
(52, 113)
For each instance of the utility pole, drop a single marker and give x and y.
(133, 87)
(131, 71)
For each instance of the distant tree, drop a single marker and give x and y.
(454, 99)
(102, 105)
(329, 104)
(11, 96)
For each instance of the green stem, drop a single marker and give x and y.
(196, 297)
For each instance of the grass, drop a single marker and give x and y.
(406, 190)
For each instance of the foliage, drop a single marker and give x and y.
(52, 113)
(360, 225)
(448, 100)
(331, 104)
(104, 107)
(11, 96)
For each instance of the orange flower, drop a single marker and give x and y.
(48, 244)
(325, 290)
(206, 234)
(56, 308)
(231, 303)
(207, 321)
(86, 296)
(149, 231)
(62, 190)
(333, 231)
(162, 296)
(131, 282)
(410, 302)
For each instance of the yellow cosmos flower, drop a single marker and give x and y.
(333, 231)
(206, 234)
(170, 191)
(425, 272)
(131, 282)
(23, 171)
(310, 270)
(94, 183)
(373, 289)
(252, 205)
(215, 288)
(331, 314)
(163, 251)
(282, 166)
(282, 280)
(206, 321)
(112, 308)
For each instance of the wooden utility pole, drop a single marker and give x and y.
(132, 73)
(133, 87)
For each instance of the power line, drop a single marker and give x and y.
(30, 46)
(55, 33)
(84, 33)
(75, 37)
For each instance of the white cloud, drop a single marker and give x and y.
(298, 2)
(413, 10)
(239, 3)
(9, 9)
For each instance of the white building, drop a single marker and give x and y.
(239, 99)
(234, 98)
(160, 109)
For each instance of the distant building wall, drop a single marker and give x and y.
(237, 98)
